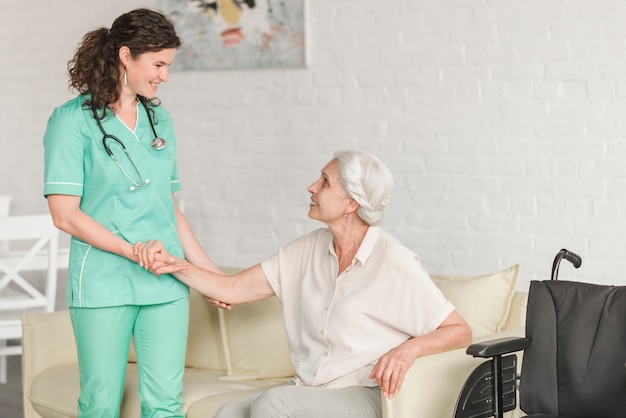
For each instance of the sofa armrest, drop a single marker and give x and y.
(433, 383)
(47, 340)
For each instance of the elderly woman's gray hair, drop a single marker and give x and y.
(366, 180)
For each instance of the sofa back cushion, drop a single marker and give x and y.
(483, 301)
(256, 341)
(517, 312)
(204, 342)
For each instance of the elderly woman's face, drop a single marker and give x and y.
(328, 198)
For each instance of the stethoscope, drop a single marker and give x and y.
(157, 144)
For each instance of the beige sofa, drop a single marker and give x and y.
(231, 353)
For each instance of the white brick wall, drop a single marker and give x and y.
(503, 124)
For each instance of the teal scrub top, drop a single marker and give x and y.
(77, 164)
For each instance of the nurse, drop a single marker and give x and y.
(110, 174)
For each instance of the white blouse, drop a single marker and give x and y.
(338, 326)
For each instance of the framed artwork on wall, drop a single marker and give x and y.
(238, 34)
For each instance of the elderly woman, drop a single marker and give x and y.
(358, 306)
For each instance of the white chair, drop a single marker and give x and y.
(28, 276)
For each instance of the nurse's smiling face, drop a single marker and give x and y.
(145, 72)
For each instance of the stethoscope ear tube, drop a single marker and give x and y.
(157, 143)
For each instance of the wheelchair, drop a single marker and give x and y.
(574, 355)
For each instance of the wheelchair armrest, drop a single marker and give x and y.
(497, 347)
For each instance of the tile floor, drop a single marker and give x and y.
(11, 392)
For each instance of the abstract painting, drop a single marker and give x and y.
(231, 34)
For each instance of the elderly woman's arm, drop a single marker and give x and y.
(391, 368)
(246, 286)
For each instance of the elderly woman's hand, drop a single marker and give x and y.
(153, 257)
(391, 368)
(219, 304)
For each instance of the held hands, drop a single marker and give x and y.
(153, 257)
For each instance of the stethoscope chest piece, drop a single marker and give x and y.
(158, 143)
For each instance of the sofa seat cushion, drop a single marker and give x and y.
(208, 406)
(201, 384)
(213, 396)
(54, 400)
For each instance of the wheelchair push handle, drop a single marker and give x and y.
(569, 256)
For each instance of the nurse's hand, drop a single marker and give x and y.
(153, 257)
(145, 251)
(166, 263)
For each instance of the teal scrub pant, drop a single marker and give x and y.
(103, 338)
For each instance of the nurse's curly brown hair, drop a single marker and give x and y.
(96, 67)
